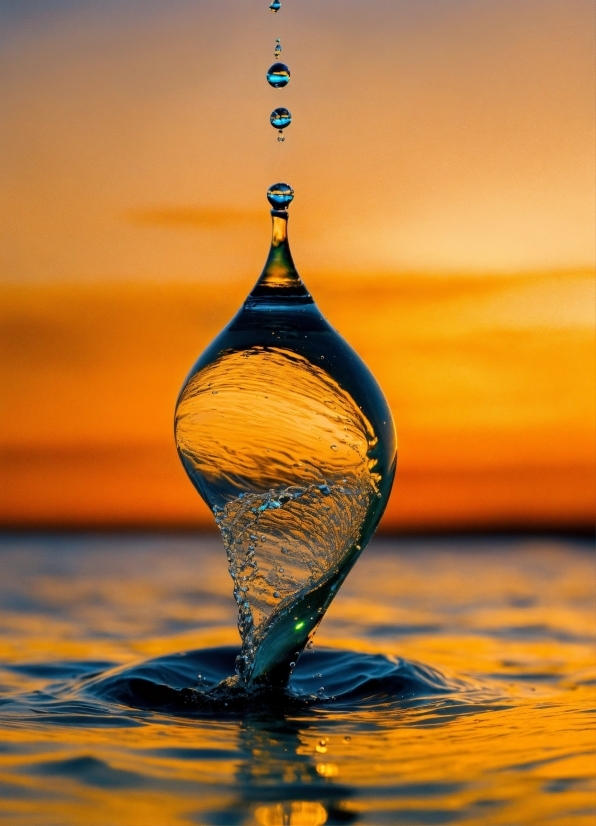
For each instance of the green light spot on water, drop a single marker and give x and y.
(299, 626)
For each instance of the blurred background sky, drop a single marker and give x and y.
(442, 153)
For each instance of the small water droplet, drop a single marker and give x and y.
(292, 665)
(347, 738)
(276, 594)
(333, 447)
(281, 140)
(277, 50)
(278, 75)
(214, 392)
(275, 6)
(280, 118)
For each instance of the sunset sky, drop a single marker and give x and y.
(442, 155)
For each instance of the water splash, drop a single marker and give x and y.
(309, 530)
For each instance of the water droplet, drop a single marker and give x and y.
(277, 50)
(214, 392)
(292, 665)
(276, 594)
(280, 195)
(280, 118)
(275, 6)
(281, 140)
(278, 75)
(347, 738)
(333, 447)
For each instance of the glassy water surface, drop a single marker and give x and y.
(451, 681)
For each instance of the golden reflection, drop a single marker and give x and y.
(272, 419)
(296, 813)
(327, 769)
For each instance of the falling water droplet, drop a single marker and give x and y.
(280, 196)
(277, 50)
(281, 139)
(280, 118)
(278, 75)
(275, 6)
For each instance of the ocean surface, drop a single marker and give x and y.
(452, 681)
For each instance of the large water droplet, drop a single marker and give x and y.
(280, 118)
(278, 75)
(275, 6)
(280, 196)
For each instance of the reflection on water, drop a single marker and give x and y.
(457, 676)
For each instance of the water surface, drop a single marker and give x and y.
(452, 681)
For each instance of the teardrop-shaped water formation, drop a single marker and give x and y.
(280, 118)
(275, 6)
(287, 436)
(277, 50)
(278, 75)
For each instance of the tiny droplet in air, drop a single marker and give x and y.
(277, 50)
(280, 118)
(275, 6)
(278, 75)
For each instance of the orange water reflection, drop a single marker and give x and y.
(516, 619)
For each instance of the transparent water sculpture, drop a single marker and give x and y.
(287, 436)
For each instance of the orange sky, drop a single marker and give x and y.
(443, 160)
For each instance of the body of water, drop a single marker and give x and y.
(451, 682)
